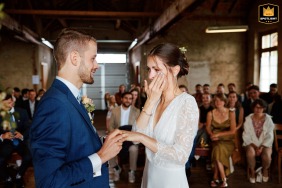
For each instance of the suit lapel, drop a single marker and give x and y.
(131, 116)
(81, 109)
(119, 116)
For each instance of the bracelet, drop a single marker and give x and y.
(147, 113)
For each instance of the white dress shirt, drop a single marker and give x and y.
(124, 116)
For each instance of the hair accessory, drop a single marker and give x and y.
(183, 49)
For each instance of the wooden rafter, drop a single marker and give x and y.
(165, 19)
(82, 13)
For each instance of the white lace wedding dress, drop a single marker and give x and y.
(174, 132)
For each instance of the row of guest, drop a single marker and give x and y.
(269, 97)
(27, 99)
(205, 89)
(221, 132)
(14, 137)
(139, 96)
(18, 109)
(257, 138)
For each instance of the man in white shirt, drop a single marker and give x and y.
(123, 117)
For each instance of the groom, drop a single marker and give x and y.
(65, 146)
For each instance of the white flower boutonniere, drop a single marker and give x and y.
(89, 105)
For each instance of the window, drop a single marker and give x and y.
(111, 58)
(268, 60)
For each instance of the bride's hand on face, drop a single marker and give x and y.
(131, 136)
(155, 88)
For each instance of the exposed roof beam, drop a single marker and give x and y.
(13, 25)
(232, 6)
(214, 6)
(165, 19)
(81, 13)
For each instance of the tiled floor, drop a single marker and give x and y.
(200, 177)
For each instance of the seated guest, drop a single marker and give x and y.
(111, 105)
(106, 100)
(206, 88)
(232, 88)
(17, 96)
(276, 110)
(198, 94)
(203, 109)
(258, 139)
(31, 104)
(245, 95)
(221, 89)
(221, 127)
(121, 90)
(124, 115)
(183, 88)
(269, 96)
(136, 101)
(23, 97)
(40, 93)
(234, 104)
(254, 94)
(13, 138)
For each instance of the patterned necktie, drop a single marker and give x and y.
(78, 98)
(13, 128)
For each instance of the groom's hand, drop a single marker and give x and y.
(111, 146)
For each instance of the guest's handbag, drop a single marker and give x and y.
(236, 156)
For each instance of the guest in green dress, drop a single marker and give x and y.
(221, 126)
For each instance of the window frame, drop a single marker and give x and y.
(270, 49)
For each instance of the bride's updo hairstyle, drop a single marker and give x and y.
(171, 55)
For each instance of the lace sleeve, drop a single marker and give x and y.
(136, 129)
(187, 125)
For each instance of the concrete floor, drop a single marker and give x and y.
(200, 177)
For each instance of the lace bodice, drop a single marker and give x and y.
(174, 132)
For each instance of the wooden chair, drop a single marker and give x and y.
(278, 140)
(202, 152)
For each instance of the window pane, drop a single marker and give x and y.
(273, 67)
(111, 58)
(268, 70)
(274, 39)
(265, 43)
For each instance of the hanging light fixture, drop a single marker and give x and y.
(227, 29)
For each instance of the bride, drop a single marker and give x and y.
(168, 122)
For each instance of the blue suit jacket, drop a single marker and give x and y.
(61, 139)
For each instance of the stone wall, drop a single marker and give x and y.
(213, 58)
(21, 60)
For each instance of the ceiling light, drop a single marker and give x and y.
(133, 44)
(47, 43)
(227, 29)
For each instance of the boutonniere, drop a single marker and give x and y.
(89, 106)
(5, 117)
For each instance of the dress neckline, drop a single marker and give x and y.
(168, 106)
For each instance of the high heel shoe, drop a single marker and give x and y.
(224, 183)
(214, 183)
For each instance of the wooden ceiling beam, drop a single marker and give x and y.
(26, 33)
(81, 13)
(214, 6)
(174, 10)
